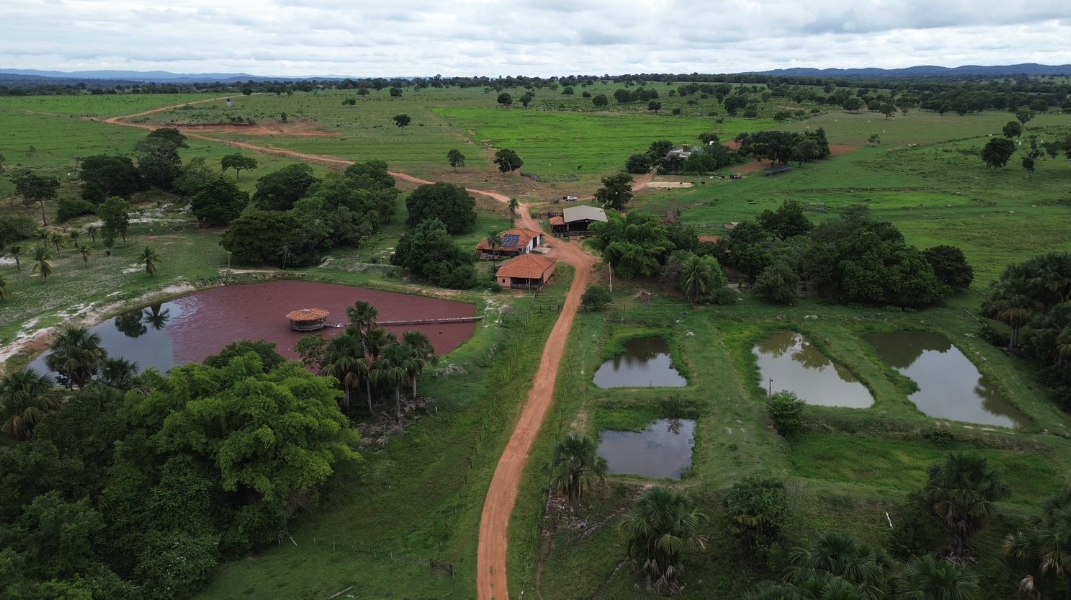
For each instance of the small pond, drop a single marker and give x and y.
(796, 365)
(645, 363)
(191, 328)
(950, 386)
(662, 450)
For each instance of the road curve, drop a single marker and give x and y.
(491, 581)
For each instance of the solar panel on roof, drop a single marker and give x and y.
(511, 240)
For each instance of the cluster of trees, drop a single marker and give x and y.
(999, 150)
(702, 159)
(299, 217)
(785, 146)
(1033, 299)
(854, 259)
(640, 245)
(427, 251)
(130, 486)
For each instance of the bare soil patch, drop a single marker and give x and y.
(293, 130)
(841, 149)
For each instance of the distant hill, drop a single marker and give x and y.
(928, 71)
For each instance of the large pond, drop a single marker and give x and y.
(662, 450)
(193, 327)
(645, 363)
(950, 386)
(796, 365)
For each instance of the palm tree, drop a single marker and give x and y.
(92, 231)
(1046, 543)
(376, 340)
(927, 578)
(57, 239)
(494, 242)
(340, 361)
(74, 233)
(86, 253)
(15, 251)
(423, 354)
(696, 277)
(576, 468)
(393, 367)
(41, 256)
(4, 292)
(363, 316)
(662, 526)
(769, 590)
(118, 373)
(841, 555)
(514, 204)
(25, 398)
(150, 259)
(76, 354)
(963, 491)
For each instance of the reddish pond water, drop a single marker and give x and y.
(191, 328)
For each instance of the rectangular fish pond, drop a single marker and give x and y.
(662, 450)
(796, 365)
(646, 362)
(949, 385)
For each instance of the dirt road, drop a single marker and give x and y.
(491, 582)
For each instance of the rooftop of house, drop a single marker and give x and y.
(528, 266)
(584, 213)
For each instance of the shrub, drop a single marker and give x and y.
(69, 208)
(757, 507)
(596, 296)
(786, 412)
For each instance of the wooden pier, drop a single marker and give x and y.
(415, 322)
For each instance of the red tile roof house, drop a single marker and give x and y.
(526, 272)
(515, 242)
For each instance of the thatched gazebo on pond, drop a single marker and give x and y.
(308, 319)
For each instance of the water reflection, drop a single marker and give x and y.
(794, 363)
(662, 450)
(645, 363)
(950, 386)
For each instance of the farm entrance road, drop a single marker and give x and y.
(491, 583)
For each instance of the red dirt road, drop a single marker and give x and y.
(491, 582)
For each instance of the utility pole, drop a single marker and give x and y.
(611, 271)
(771, 388)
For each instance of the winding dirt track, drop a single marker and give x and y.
(491, 583)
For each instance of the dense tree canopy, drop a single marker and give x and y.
(616, 191)
(219, 203)
(428, 252)
(280, 189)
(450, 204)
(105, 176)
(507, 160)
(997, 152)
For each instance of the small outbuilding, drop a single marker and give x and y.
(526, 272)
(514, 242)
(308, 319)
(576, 219)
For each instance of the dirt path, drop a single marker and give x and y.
(491, 583)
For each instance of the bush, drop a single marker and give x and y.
(777, 284)
(1000, 339)
(786, 412)
(596, 296)
(942, 438)
(16, 229)
(451, 204)
(757, 507)
(69, 208)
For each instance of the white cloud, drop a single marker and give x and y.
(531, 37)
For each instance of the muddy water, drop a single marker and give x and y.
(796, 365)
(950, 386)
(191, 328)
(662, 450)
(645, 363)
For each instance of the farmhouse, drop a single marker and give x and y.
(576, 219)
(526, 272)
(514, 242)
(679, 154)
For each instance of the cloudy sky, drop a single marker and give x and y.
(525, 37)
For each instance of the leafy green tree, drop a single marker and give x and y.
(106, 176)
(270, 359)
(638, 164)
(962, 491)
(786, 412)
(526, 99)
(507, 160)
(150, 258)
(600, 100)
(395, 92)
(75, 354)
(1024, 116)
(41, 256)
(634, 245)
(853, 104)
(239, 162)
(505, 99)
(25, 398)
(757, 507)
(37, 188)
(219, 203)
(193, 177)
(114, 217)
(950, 266)
(56, 537)
(451, 204)
(662, 526)
(777, 283)
(616, 191)
(596, 296)
(1044, 545)
(428, 252)
(170, 134)
(929, 578)
(787, 221)
(15, 250)
(456, 158)
(401, 121)
(576, 469)
(997, 152)
(280, 189)
(1013, 129)
(258, 236)
(159, 162)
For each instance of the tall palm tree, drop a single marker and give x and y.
(963, 491)
(4, 292)
(92, 231)
(150, 258)
(423, 354)
(696, 277)
(376, 340)
(118, 373)
(57, 239)
(76, 354)
(928, 578)
(340, 361)
(1046, 543)
(1011, 304)
(74, 234)
(662, 525)
(363, 316)
(393, 367)
(41, 256)
(15, 251)
(494, 242)
(514, 204)
(841, 555)
(86, 253)
(576, 468)
(25, 398)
